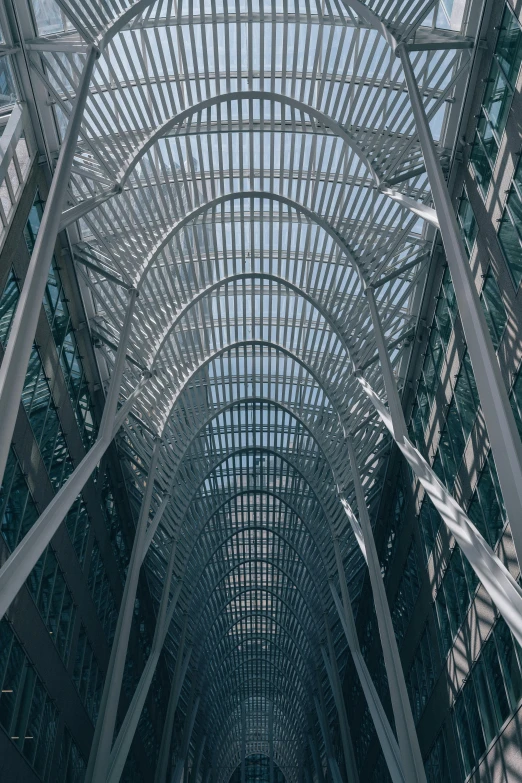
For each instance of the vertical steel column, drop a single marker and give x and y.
(315, 757)
(321, 715)
(16, 358)
(187, 734)
(332, 671)
(175, 689)
(243, 742)
(394, 402)
(271, 741)
(104, 731)
(493, 574)
(383, 729)
(411, 756)
(195, 771)
(500, 422)
(23, 559)
(128, 728)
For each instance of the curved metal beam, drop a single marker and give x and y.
(231, 404)
(236, 344)
(253, 275)
(245, 661)
(261, 589)
(276, 453)
(275, 621)
(216, 509)
(260, 638)
(312, 216)
(241, 562)
(279, 455)
(84, 207)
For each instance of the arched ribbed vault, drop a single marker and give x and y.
(240, 166)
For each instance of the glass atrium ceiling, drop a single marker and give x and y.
(249, 168)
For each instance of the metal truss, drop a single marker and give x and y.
(251, 193)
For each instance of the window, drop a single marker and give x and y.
(8, 303)
(467, 221)
(114, 526)
(437, 765)
(510, 228)
(497, 100)
(516, 400)
(466, 396)
(26, 711)
(459, 583)
(490, 694)
(508, 50)
(72, 765)
(78, 524)
(43, 418)
(88, 676)
(101, 593)
(406, 595)
(453, 598)
(429, 519)
(493, 307)
(460, 418)
(442, 327)
(56, 309)
(37, 399)
(486, 509)
(395, 521)
(421, 677)
(18, 512)
(53, 598)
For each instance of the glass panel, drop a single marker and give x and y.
(464, 733)
(7, 88)
(468, 224)
(496, 681)
(497, 102)
(511, 245)
(480, 163)
(509, 46)
(509, 662)
(8, 303)
(480, 678)
(516, 401)
(493, 307)
(475, 724)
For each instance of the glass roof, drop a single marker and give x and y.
(231, 166)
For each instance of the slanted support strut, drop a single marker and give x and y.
(411, 756)
(127, 731)
(23, 559)
(497, 580)
(383, 729)
(189, 727)
(271, 741)
(500, 422)
(20, 343)
(243, 742)
(330, 662)
(104, 731)
(180, 670)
